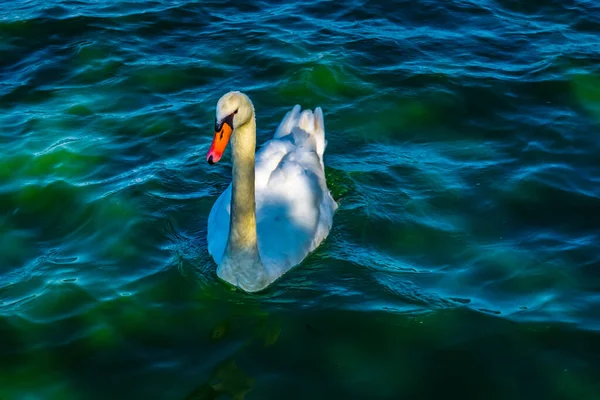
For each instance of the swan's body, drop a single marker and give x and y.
(270, 226)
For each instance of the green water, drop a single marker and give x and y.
(462, 148)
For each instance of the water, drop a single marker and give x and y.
(463, 149)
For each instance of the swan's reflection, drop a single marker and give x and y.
(228, 378)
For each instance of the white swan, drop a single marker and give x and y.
(278, 208)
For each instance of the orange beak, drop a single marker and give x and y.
(219, 144)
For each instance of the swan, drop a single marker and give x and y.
(278, 208)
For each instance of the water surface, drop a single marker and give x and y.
(463, 148)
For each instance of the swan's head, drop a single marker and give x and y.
(234, 109)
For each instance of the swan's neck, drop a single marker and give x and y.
(242, 233)
(241, 262)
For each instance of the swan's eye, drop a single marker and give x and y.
(235, 112)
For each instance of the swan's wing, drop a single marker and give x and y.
(288, 215)
(288, 122)
(306, 122)
(294, 207)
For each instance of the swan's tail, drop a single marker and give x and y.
(308, 121)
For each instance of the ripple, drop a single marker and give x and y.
(461, 148)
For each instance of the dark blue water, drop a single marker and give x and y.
(463, 149)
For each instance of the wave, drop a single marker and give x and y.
(460, 126)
